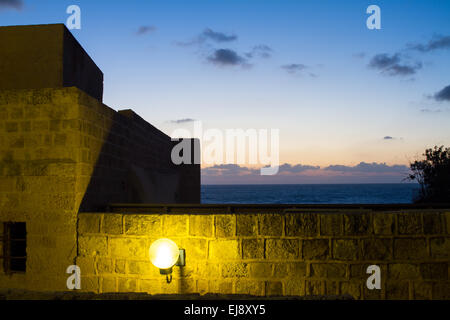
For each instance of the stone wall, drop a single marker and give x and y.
(62, 151)
(295, 252)
(46, 56)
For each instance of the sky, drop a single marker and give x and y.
(351, 104)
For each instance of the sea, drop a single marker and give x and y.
(310, 193)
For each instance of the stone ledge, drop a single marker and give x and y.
(70, 295)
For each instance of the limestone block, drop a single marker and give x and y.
(260, 270)
(89, 223)
(403, 271)
(131, 248)
(328, 270)
(377, 249)
(92, 245)
(282, 249)
(383, 223)
(246, 225)
(225, 225)
(317, 249)
(409, 223)
(270, 225)
(175, 225)
(112, 223)
(331, 224)
(249, 287)
(301, 224)
(357, 224)
(201, 225)
(440, 248)
(235, 270)
(253, 248)
(410, 249)
(224, 250)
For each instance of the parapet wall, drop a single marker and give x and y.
(284, 253)
(46, 56)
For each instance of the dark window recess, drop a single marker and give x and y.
(14, 247)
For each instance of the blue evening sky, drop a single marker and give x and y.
(330, 106)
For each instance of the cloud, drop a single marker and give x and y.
(208, 38)
(436, 43)
(298, 173)
(392, 65)
(288, 168)
(180, 121)
(208, 34)
(226, 57)
(228, 170)
(11, 4)
(390, 138)
(294, 67)
(364, 167)
(382, 61)
(235, 169)
(217, 36)
(443, 95)
(145, 29)
(297, 68)
(261, 50)
(403, 70)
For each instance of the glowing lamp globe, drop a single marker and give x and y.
(164, 253)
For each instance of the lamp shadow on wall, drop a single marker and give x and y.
(182, 284)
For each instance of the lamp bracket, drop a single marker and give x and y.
(181, 258)
(165, 271)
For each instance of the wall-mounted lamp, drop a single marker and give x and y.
(164, 254)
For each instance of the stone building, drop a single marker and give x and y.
(62, 151)
(82, 184)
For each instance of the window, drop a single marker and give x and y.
(14, 247)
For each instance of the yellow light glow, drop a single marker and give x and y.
(164, 253)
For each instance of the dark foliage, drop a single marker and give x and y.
(433, 175)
